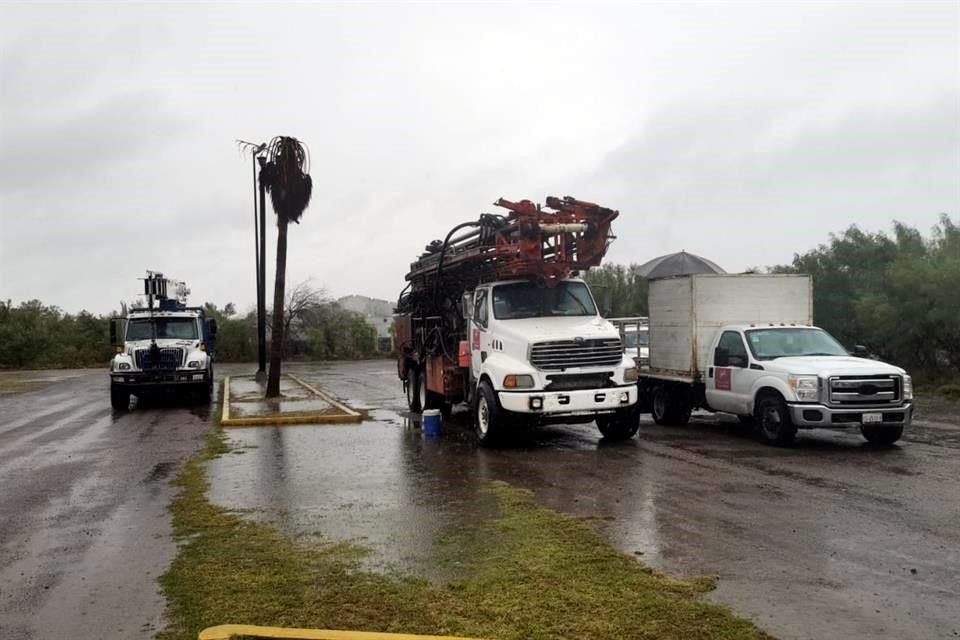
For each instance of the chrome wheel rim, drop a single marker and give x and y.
(483, 416)
(771, 421)
(659, 405)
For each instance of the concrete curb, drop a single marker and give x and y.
(347, 415)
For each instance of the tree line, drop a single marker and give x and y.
(37, 336)
(897, 294)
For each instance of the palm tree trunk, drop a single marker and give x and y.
(276, 337)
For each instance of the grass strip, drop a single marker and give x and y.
(527, 572)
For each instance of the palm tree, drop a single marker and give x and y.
(286, 176)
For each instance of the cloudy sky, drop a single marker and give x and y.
(740, 131)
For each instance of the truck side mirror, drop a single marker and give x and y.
(605, 311)
(737, 361)
(860, 351)
(114, 322)
(212, 328)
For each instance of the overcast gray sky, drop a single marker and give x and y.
(744, 132)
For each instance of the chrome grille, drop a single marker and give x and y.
(567, 354)
(169, 359)
(865, 391)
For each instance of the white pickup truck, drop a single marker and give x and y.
(745, 345)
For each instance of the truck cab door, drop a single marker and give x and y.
(727, 378)
(479, 331)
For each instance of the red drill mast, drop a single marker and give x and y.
(529, 242)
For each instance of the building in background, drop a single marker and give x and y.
(379, 315)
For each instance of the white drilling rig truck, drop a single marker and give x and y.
(163, 347)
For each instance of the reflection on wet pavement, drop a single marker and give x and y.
(865, 538)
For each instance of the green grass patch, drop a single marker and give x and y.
(526, 572)
(15, 384)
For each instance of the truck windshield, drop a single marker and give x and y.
(529, 300)
(767, 344)
(176, 328)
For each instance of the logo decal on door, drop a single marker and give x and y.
(476, 339)
(723, 378)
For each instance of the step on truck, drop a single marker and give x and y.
(746, 345)
(495, 316)
(163, 347)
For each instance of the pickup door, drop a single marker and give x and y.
(479, 335)
(730, 380)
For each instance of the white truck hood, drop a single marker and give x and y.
(533, 330)
(826, 366)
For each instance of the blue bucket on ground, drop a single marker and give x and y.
(431, 422)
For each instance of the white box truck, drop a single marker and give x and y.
(746, 345)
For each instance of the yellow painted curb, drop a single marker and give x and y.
(347, 414)
(228, 631)
(326, 396)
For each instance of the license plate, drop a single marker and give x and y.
(870, 418)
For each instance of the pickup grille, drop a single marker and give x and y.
(864, 391)
(567, 354)
(169, 359)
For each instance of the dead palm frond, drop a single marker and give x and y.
(286, 176)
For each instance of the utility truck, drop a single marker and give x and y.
(494, 315)
(166, 346)
(746, 345)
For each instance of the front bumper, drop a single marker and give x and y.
(134, 379)
(569, 403)
(818, 415)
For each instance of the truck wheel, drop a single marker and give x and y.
(488, 417)
(773, 421)
(413, 390)
(620, 425)
(119, 399)
(882, 435)
(669, 409)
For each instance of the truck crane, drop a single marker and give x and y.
(496, 316)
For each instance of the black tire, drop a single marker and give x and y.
(119, 399)
(669, 408)
(882, 435)
(489, 418)
(621, 425)
(773, 421)
(413, 390)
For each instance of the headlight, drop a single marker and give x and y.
(631, 374)
(806, 388)
(123, 366)
(907, 387)
(518, 381)
(194, 364)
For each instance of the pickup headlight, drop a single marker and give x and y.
(123, 366)
(806, 388)
(631, 374)
(907, 387)
(194, 364)
(518, 381)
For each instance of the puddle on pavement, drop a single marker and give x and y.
(389, 487)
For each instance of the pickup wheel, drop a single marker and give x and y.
(413, 389)
(119, 399)
(773, 421)
(882, 435)
(620, 425)
(489, 418)
(669, 407)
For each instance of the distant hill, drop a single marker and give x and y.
(379, 313)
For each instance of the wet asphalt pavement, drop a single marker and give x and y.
(84, 526)
(830, 538)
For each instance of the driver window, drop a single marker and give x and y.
(732, 344)
(480, 308)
